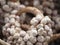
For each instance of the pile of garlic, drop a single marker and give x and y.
(38, 35)
(39, 32)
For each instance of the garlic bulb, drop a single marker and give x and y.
(39, 17)
(22, 33)
(32, 32)
(13, 4)
(14, 12)
(32, 39)
(17, 24)
(12, 16)
(6, 20)
(38, 43)
(22, 43)
(12, 20)
(45, 20)
(7, 8)
(3, 2)
(39, 26)
(12, 31)
(40, 31)
(29, 43)
(26, 38)
(41, 39)
(16, 35)
(20, 39)
(34, 21)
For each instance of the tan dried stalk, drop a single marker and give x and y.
(32, 10)
(3, 42)
(54, 37)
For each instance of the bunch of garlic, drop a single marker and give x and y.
(39, 33)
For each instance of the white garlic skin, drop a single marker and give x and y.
(45, 20)
(32, 31)
(7, 25)
(12, 31)
(26, 38)
(12, 26)
(44, 33)
(39, 17)
(32, 39)
(20, 40)
(38, 43)
(40, 31)
(12, 21)
(50, 33)
(22, 43)
(45, 43)
(12, 16)
(16, 35)
(17, 24)
(4, 28)
(8, 29)
(10, 38)
(47, 38)
(6, 20)
(22, 33)
(47, 28)
(26, 3)
(6, 8)
(29, 43)
(14, 12)
(1, 11)
(3, 2)
(41, 39)
(13, 4)
(18, 29)
(34, 21)
(20, 7)
(36, 3)
(40, 26)
(6, 15)
(17, 18)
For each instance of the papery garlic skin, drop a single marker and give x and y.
(22, 43)
(45, 20)
(40, 31)
(32, 32)
(26, 38)
(39, 17)
(34, 21)
(29, 43)
(16, 35)
(14, 12)
(41, 39)
(22, 33)
(39, 26)
(13, 4)
(32, 39)
(3, 2)
(38, 43)
(20, 39)
(6, 8)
